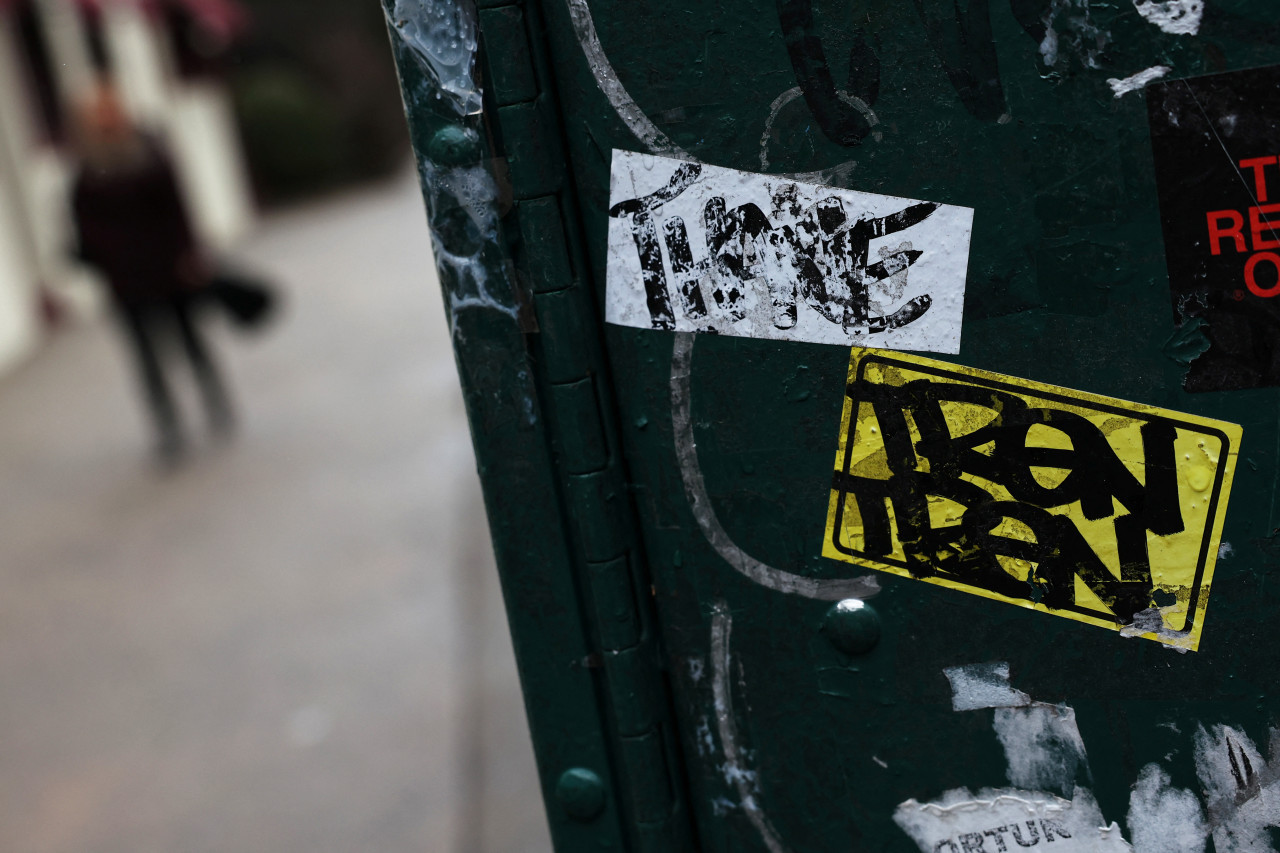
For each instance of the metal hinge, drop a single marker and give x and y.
(576, 396)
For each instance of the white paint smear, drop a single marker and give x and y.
(1178, 17)
(696, 248)
(1132, 83)
(1009, 819)
(983, 685)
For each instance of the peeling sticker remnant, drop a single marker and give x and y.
(1164, 819)
(983, 685)
(1009, 819)
(1241, 789)
(1082, 506)
(1134, 82)
(1179, 17)
(695, 248)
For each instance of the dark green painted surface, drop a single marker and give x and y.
(1067, 284)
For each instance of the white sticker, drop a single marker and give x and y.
(697, 248)
(1009, 819)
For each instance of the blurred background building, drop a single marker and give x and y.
(295, 642)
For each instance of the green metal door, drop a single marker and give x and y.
(871, 399)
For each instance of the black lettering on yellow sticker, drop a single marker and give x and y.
(1087, 507)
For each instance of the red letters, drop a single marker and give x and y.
(1259, 177)
(1258, 225)
(1252, 281)
(1234, 231)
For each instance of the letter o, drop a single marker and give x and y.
(1251, 281)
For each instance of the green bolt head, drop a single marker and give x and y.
(581, 793)
(852, 626)
(454, 145)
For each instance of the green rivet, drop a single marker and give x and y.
(454, 145)
(581, 793)
(852, 626)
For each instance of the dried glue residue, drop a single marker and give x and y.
(442, 36)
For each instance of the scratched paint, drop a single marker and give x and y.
(703, 248)
(1094, 509)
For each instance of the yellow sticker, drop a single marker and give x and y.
(1087, 507)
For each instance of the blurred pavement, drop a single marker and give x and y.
(292, 643)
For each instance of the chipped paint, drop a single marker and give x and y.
(1177, 17)
(704, 513)
(1134, 82)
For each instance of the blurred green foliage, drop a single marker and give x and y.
(315, 92)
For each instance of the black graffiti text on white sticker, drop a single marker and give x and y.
(702, 248)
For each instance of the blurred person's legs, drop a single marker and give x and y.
(144, 327)
(140, 323)
(217, 403)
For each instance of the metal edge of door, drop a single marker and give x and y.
(526, 333)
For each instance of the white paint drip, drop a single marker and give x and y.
(1009, 819)
(442, 36)
(983, 685)
(1164, 819)
(607, 79)
(704, 513)
(1134, 82)
(1178, 17)
(741, 779)
(1241, 789)
(1225, 550)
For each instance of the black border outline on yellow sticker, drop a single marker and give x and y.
(1052, 393)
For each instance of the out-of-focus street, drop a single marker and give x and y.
(293, 642)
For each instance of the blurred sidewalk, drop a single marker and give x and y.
(292, 643)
